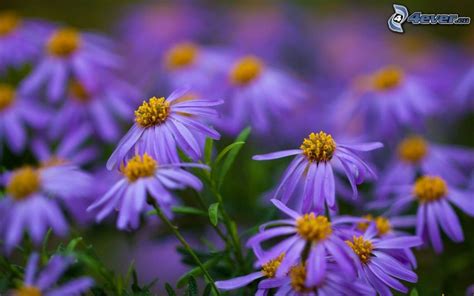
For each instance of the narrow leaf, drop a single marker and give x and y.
(192, 289)
(169, 290)
(214, 213)
(414, 292)
(208, 150)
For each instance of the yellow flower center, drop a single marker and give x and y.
(23, 182)
(28, 291)
(298, 279)
(363, 248)
(7, 96)
(64, 42)
(318, 147)
(387, 78)
(79, 92)
(270, 268)
(246, 70)
(382, 224)
(313, 228)
(139, 167)
(181, 55)
(430, 188)
(53, 161)
(412, 149)
(153, 112)
(9, 21)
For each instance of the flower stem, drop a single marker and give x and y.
(185, 244)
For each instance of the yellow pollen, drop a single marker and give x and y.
(23, 182)
(246, 70)
(412, 149)
(387, 78)
(153, 112)
(64, 42)
(181, 55)
(53, 161)
(28, 291)
(139, 167)
(313, 228)
(9, 21)
(430, 188)
(382, 224)
(270, 268)
(318, 147)
(363, 248)
(7, 96)
(298, 279)
(79, 92)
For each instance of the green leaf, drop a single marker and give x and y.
(226, 150)
(208, 150)
(414, 292)
(183, 210)
(169, 290)
(221, 171)
(207, 290)
(192, 289)
(214, 213)
(196, 271)
(72, 244)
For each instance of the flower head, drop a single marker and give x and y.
(312, 169)
(246, 70)
(181, 55)
(64, 42)
(164, 124)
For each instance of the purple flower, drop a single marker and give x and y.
(71, 149)
(465, 90)
(311, 232)
(196, 66)
(45, 282)
(256, 94)
(377, 266)
(31, 201)
(389, 97)
(143, 176)
(96, 108)
(85, 57)
(416, 155)
(313, 167)
(434, 198)
(162, 125)
(16, 112)
(20, 40)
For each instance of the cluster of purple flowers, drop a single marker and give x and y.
(80, 93)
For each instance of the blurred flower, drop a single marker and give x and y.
(31, 201)
(390, 97)
(310, 232)
(20, 40)
(161, 125)
(256, 94)
(465, 91)
(377, 266)
(95, 108)
(434, 209)
(416, 154)
(313, 165)
(71, 149)
(16, 112)
(85, 57)
(143, 176)
(46, 281)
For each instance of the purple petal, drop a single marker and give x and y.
(238, 282)
(285, 209)
(276, 155)
(398, 242)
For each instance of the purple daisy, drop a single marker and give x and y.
(45, 282)
(20, 40)
(97, 108)
(465, 90)
(416, 155)
(85, 57)
(257, 94)
(71, 149)
(434, 198)
(389, 97)
(377, 266)
(162, 125)
(16, 111)
(143, 176)
(31, 201)
(313, 166)
(311, 232)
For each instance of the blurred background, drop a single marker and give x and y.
(326, 44)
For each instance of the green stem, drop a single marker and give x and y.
(185, 244)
